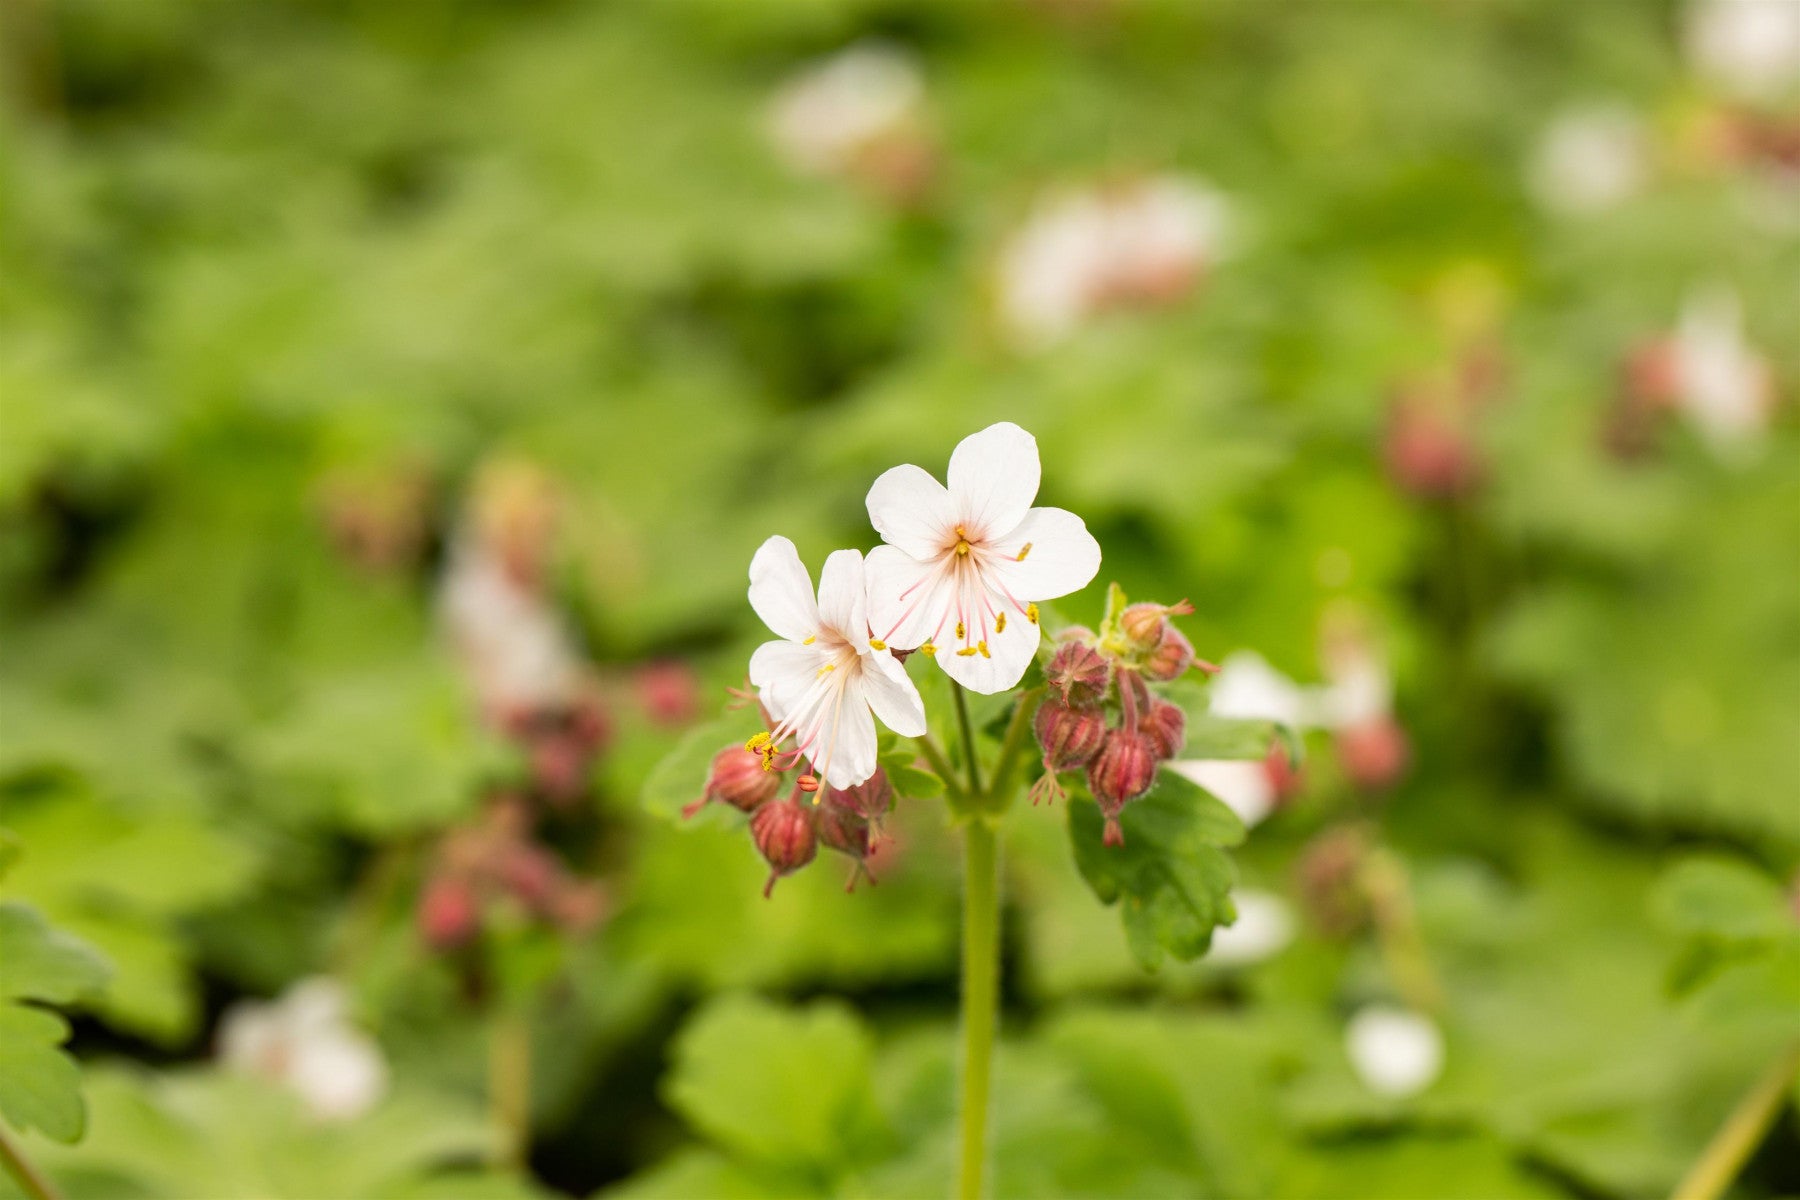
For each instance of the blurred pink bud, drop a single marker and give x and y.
(449, 915)
(1173, 655)
(784, 836)
(1429, 452)
(669, 692)
(1374, 753)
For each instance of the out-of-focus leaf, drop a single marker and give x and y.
(40, 1086)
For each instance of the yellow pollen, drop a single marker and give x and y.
(877, 644)
(827, 667)
(1023, 553)
(757, 741)
(809, 641)
(962, 630)
(967, 651)
(982, 646)
(962, 543)
(1031, 613)
(928, 649)
(1000, 623)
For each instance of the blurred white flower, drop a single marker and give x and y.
(1723, 386)
(1395, 1051)
(964, 565)
(826, 674)
(1590, 159)
(1749, 48)
(1248, 688)
(304, 1042)
(837, 110)
(1081, 252)
(1264, 927)
(514, 647)
(1244, 785)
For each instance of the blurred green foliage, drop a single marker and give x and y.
(276, 274)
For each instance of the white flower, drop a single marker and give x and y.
(1751, 48)
(514, 647)
(1080, 252)
(1590, 159)
(1722, 384)
(1247, 688)
(841, 107)
(965, 565)
(304, 1042)
(1395, 1052)
(1242, 785)
(1264, 927)
(825, 675)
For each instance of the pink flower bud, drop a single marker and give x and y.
(737, 779)
(871, 799)
(843, 829)
(1166, 727)
(668, 691)
(449, 915)
(1078, 672)
(1069, 736)
(1144, 623)
(1173, 655)
(530, 873)
(1122, 771)
(1373, 753)
(784, 835)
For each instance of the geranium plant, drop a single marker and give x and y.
(950, 606)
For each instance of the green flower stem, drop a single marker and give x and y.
(31, 1181)
(968, 740)
(1741, 1133)
(509, 1080)
(980, 996)
(940, 763)
(1017, 731)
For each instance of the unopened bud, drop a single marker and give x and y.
(1068, 736)
(1373, 753)
(1079, 672)
(1143, 623)
(1122, 771)
(737, 779)
(784, 835)
(871, 799)
(448, 913)
(843, 829)
(1166, 727)
(1173, 655)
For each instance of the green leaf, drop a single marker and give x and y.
(40, 1086)
(777, 1085)
(1722, 898)
(680, 778)
(1171, 879)
(41, 963)
(1211, 737)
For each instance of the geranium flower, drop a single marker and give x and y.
(825, 676)
(304, 1041)
(965, 565)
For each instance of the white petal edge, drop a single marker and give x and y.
(843, 602)
(994, 478)
(1064, 557)
(781, 591)
(892, 695)
(913, 511)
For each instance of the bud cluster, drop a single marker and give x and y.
(494, 863)
(788, 831)
(1100, 715)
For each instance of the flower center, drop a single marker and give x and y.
(962, 542)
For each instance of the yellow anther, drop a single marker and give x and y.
(757, 741)
(962, 630)
(1023, 553)
(928, 649)
(877, 644)
(982, 646)
(962, 543)
(1000, 623)
(809, 641)
(827, 667)
(1031, 613)
(966, 651)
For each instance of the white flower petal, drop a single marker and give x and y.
(851, 754)
(892, 695)
(994, 478)
(781, 590)
(905, 606)
(1249, 688)
(1009, 654)
(913, 511)
(782, 672)
(843, 603)
(1063, 556)
(1243, 786)
(1264, 927)
(1396, 1052)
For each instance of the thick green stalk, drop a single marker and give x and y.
(1741, 1133)
(31, 1181)
(968, 740)
(980, 996)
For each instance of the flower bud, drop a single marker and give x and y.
(737, 779)
(843, 829)
(871, 799)
(783, 831)
(669, 692)
(1069, 736)
(1166, 727)
(1171, 658)
(1144, 623)
(449, 914)
(1373, 753)
(1122, 771)
(1078, 672)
